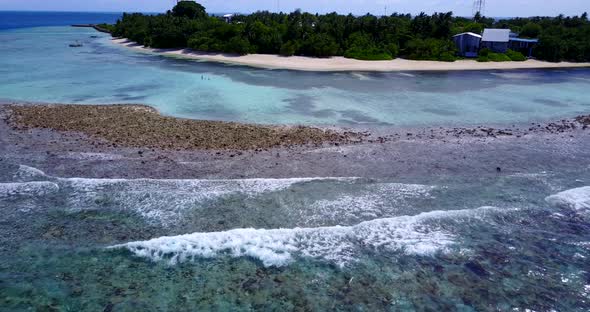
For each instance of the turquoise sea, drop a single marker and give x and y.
(36, 64)
(466, 240)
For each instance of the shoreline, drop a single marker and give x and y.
(342, 64)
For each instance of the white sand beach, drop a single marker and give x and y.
(344, 64)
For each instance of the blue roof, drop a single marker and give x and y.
(524, 40)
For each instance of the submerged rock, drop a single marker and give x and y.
(476, 268)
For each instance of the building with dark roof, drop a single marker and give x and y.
(525, 46)
(497, 40)
(467, 44)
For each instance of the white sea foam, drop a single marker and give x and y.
(541, 177)
(27, 173)
(541, 174)
(8, 190)
(361, 76)
(513, 75)
(378, 200)
(164, 201)
(576, 199)
(92, 156)
(423, 234)
(161, 201)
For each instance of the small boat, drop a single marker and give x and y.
(76, 45)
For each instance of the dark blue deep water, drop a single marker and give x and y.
(12, 19)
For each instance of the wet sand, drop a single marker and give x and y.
(335, 64)
(401, 153)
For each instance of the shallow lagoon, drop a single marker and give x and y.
(37, 65)
(464, 241)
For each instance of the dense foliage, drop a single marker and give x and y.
(421, 37)
(560, 38)
(485, 55)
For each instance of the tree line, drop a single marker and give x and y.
(368, 37)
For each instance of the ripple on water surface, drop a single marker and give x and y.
(391, 249)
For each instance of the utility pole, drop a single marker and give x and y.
(479, 6)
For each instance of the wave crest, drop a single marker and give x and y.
(27, 189)
(576, 199)
(420, 234)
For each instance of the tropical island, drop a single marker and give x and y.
(190, 31)
(134, 182)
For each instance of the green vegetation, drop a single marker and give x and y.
(421, 37)
(366, 37)
(106, 27)
(515, 56)
(485, 55)
(560, 38)
(431, 49)
(189, 9)
(360, 46)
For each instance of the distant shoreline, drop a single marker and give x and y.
(95, 26)
(341, 64)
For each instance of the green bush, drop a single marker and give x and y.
(393, 49)
(430, 49)
(362, 46)
(486, 55)
(531, 30)
(499, 57)
(447, 57)
(369, 54)
(493, 57)
(199, 43)
(515, 56)
(288, 49)
(483, 59)
(237, 45)
(474, 28)
(320, 45)
(485, 52)
(189, 9)
(107, 27)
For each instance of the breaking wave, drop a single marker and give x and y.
(164, 201)
(26, 173)
(161, 201)
(423, 234)
(28, 189)
(576, 199)
(378, 200)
